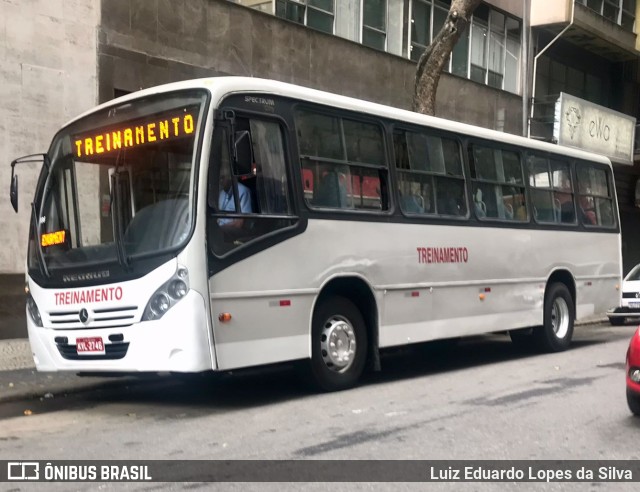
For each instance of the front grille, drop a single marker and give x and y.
(98, 318)
(630, 295)
(112, 351)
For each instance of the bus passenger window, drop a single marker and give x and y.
(430, 179)
(594, 195)
(551, 190)
(343, 162)
(498, 184)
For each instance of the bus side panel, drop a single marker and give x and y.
(431, 281)
(263, 329)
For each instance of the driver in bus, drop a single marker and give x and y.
(226, 201)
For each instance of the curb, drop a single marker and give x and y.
(592, 321)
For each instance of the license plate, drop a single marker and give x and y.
(90, 346)
(634, 305)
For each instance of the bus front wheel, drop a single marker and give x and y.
(556, 332)
(339, 344)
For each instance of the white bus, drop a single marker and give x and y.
(231, 222)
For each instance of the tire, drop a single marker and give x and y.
(522, 338)
(337, 319)
(633, 400)
(616, 321)
(556, 332)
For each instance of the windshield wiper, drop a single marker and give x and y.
(116, 219)
(38, 245)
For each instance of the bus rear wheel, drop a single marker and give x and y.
(338, 344)
(556, 332)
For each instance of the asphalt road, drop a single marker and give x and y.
(481, 400)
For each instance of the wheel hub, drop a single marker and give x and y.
(338, 344)
(560, 317)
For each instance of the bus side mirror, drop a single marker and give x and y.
(13, 191)
(243, 153)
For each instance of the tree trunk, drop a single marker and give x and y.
(433, 60)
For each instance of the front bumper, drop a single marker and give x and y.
(179, 342)
(624, 312)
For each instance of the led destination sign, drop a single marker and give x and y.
(53, 238)
(130, 134)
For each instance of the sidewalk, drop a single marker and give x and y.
(19, 379)
(12, 307)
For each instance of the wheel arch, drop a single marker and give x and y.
(358, 290)
(563, 276)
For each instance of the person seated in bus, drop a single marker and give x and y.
(412, 204)
(563, 202)
(226, 202)
(587, 216)
(520, 212)
(331, 191)
(481, 208)
(505, 210)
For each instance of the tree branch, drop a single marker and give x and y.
(433, 60)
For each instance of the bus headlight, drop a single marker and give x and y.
(34, 312)
(167, 295)
(178, 289)
(159, 304)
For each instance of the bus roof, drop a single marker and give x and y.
(223, 86)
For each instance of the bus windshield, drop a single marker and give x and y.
(119, 184)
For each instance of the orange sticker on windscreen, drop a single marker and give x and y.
(53, 238)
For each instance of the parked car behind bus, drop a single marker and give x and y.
(630, 302)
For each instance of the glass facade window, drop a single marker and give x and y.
(479, 33)
(553, 77)
(512, 56)
(427, 17)
(420, 28)
(318, 14)
(374, 23)
(621, 12)
(488, 52)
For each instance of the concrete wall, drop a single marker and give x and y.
(513, 7)
(544, 12)
(48, 74)
(144, 43)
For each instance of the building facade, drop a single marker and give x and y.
(587, 50)
(61, 57)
